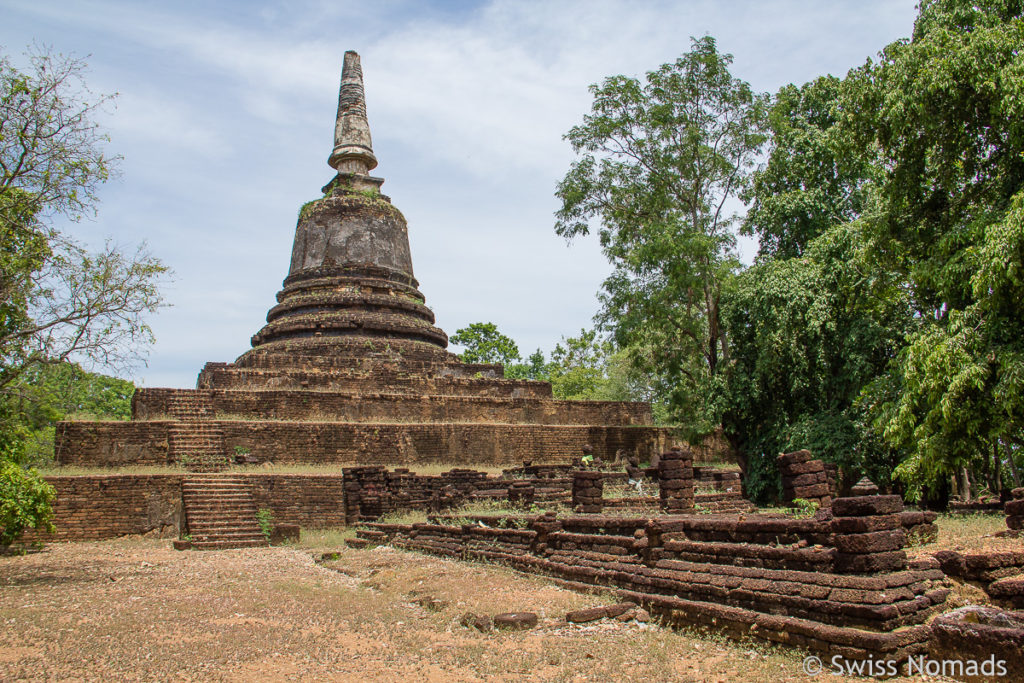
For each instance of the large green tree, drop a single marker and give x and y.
(945, 111)
(815, 177)
(60, 300)
(660, 163)
(808, 334)
(483, 343)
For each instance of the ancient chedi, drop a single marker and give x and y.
(350, 367)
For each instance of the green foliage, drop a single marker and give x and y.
(804, 508)
(265, 519)
(944, 109)
(807, 335)
(24, 502)
(578, 365)
(658, 163)
(59, 302)
(46, 394)
(483, 343)
(814, 179)
(535, 367)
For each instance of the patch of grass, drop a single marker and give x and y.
(76, 471)
(333, 537)
(970, 533)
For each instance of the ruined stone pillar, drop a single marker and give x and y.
(521, 494)
(587, 492)
(803, 477)
(868, 534)
(675, 481)
(1015, 510)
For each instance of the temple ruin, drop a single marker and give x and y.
(350, 367)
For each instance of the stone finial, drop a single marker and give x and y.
(353, 149)
(864, 487)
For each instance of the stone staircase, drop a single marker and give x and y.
(198, 446)
(220, 513)
(190, 405)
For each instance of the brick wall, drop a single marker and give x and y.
(107, 506)
(726, 584)
(145, 442)
(309, 500)
(91, 508)
(371, 407)
(111, 443)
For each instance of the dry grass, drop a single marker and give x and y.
(971, 533)
(137, 610)
(76, 471)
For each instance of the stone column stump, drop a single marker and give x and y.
(804, 477)
(521, 494)
(1015, 510)
(587, 492)
(675, 481)
(868, 534)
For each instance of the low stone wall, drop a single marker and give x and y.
(309, 500)
(146, 442)
(721, 584)
(298, 405)
(112, 444)
(92, 508)
(373, 491)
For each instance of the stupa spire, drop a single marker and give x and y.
(353, 148)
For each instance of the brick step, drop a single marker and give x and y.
(219, 495)
(207, 527)
(225, 534)
(198, 528)
(210, 511)
(216, 487)
(217, 502)
(229, 545)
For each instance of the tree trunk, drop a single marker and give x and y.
(1013, 465)
(954, 486)
(965, 485)
(997, 471)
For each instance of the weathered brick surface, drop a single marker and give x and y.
(373, 406)
(859, 616)
(108, 506)
(309, 500)
(112, 444)
(97, 507)
(805, 478)
(117, 443)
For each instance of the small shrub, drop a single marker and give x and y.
(265, 518)
(804, 508)
(25, 500)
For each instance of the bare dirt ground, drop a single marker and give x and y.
(138, 610)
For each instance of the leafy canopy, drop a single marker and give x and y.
(659, 162)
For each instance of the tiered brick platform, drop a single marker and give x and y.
(350, 367)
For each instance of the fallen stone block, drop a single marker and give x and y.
(865, 506)
(983, 635)
(481, 622)
(515, 621)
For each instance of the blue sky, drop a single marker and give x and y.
(225, 118)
